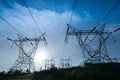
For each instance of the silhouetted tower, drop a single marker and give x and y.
(91, 53)
(65, 63)
(25, 60)
(49, 64)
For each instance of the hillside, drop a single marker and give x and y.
(102, 71)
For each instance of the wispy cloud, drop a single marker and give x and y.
(51, 22)
(86, 14)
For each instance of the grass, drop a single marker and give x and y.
(25, 77)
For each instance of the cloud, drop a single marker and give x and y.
(86, 14)
(51, 22)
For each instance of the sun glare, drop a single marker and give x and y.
(40, 56)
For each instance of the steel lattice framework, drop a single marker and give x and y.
(65, 63)
(25, 60)
(49, 64)
(96, 54)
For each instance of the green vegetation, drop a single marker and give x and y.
(102, 71)
(16, 75)
(16, 78)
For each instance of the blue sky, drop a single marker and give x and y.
(52, 16)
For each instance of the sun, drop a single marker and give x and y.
(40, 56)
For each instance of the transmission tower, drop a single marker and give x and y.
(65, 63)
(49, 64)
(91, 53)
(25, 60)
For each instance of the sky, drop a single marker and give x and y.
(52, 17)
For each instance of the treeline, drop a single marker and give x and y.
(10, 75)
(102, 71)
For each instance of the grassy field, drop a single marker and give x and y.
(23, 77)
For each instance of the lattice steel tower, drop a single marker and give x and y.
(49, 64)
(65, 63)
(25, 60)
(92, 53)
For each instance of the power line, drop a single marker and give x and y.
(27, 7)
(106, 15)
(36, 5)
(3, 35)
(73, 7)
(110, 11)
(13, 28)
(11, 25)
(63, 49)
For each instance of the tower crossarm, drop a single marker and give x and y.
(21, 39)
(88, 32)
(25, 60)
(91, 52)
(27, 39)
